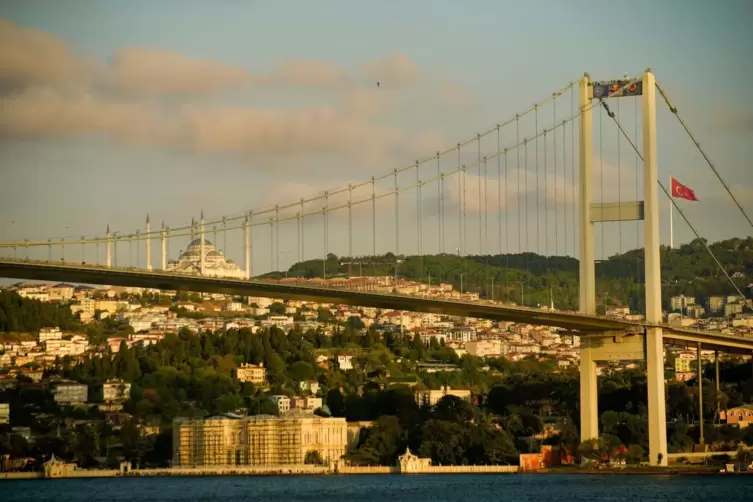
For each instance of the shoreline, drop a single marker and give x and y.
(383, 470)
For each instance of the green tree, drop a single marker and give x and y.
(313, 457)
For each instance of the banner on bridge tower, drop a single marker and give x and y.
(614, 89)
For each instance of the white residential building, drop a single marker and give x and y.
(311, 386)
(345, 362)
(49, 334)
(70, 393)
(282, 403)
(432, 397)
(116, 391)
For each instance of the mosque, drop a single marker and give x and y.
(215, 264)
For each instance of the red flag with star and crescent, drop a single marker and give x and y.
(680, 191)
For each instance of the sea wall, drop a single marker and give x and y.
(365, 469)
(21, 475)
(267, 471)
(432, 469)
(231, 471)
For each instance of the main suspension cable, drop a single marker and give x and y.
(673, 109)
(680, 211)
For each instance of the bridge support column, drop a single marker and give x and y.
(657, 412)
(107, 247)
(148, 246)
(589, 396)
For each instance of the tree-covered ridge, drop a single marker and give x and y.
(26, 315)
(688, 269)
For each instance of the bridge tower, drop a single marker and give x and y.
(647, 346)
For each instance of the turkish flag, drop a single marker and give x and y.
(681, 191)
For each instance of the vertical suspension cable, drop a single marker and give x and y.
(465, 213)
(224, 235)
(298, 236)
(167, 243)
(460, 206)
(271, 245)
(478, 163)
(538, 187)
(517, 161)
(507, 228)
(441, 213)
(303, 232)
(499, 193)
(554, 168)
(546, 168)
(601, 176)
(486, 209)
(637, 194)
(439, 206)
(420, 226)
(572, 165)
(486, 231)
(525, 162)
(619, 178)
(277, 237)
(564, 182)
(397, 216)
(373, 218)
(350, 222)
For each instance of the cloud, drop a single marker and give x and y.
(252, 131)
(47, 90)
(156, 72)
(395, 70)
(29, 56)
(734, 121)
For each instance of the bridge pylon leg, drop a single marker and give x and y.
(657, 412)
(589, 396)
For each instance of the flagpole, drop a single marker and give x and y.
(671, 228)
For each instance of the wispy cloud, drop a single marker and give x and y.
(47, 90)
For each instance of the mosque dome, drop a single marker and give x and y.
(197, 242)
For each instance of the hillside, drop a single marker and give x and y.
(688, 270)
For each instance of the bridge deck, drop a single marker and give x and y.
(90, 274)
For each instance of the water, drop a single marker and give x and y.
(414, 488)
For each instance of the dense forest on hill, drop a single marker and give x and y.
(688, 270)
(23, 315)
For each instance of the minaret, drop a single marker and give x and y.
(551, 299)
(193, 229)
(201, 245)
(107, 247)
(163, 239)
(148, 246)
(246, 249)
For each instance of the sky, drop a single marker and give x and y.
(115, 110)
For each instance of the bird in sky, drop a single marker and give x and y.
(377, 84)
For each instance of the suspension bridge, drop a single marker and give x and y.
(527, 186)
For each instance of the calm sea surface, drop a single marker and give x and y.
(416, 488)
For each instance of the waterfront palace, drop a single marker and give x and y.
(264, 440)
